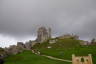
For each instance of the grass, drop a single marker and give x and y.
(63, 48)
(60, 43)
(67, 53)
(27, 57)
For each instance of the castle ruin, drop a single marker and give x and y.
(82, 59)
(43, 34)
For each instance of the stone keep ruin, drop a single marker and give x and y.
(43, 34)
(82, 59)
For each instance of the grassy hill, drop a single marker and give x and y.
(60, 43)
(27, 57)
(63, 48)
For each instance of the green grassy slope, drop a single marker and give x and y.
(27, 57)
(64, 48)
(60, 43)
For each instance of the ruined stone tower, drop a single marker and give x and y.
(49, 32)
(82, 59)
(43, 34)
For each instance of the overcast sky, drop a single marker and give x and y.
(20, 19)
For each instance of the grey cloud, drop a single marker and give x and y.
(19, 18)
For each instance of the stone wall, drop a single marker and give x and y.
(21, 45)
(82, 59)
(43, 34)
(69, 36)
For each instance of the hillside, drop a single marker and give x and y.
(62, 48)
(27, 57)
(60, 43)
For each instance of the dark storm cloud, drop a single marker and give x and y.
(20, 18)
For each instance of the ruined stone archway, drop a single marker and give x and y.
(82, 59)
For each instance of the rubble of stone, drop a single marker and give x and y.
(43, 34)
(84, 43)
(21, 45)
(28, 45)
(69, 36)
(13, 49)
(52, 41)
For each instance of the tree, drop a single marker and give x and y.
(93, 41)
